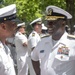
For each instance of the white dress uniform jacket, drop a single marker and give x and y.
(58, 59)
(6, 62)
(22, 52)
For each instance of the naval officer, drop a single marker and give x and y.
(56, 52)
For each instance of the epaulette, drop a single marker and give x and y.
(45, 36)
(33, 34)
(71, 36)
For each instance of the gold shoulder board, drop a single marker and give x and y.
(71, 36)
(46, 36)
(33, 34)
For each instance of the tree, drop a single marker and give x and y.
(28, 10)
(70, 7)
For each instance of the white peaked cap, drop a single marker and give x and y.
(21, 24)
(66, 26)
(8, 12)
(36, 20)
(44, 27)
(59, 10)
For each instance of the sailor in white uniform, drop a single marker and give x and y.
(56, 52)
(34, 36)
(7, 28)
(21, 44)
(33, 40)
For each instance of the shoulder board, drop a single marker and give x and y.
(33, 34)
(71, 36)
(45, 36)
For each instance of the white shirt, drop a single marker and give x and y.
(22, 53)
(58, 59)
(6, 62)
(19, 40)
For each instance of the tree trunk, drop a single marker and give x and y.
(70, 7)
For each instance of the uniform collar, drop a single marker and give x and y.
(35, 32)
(61, 40)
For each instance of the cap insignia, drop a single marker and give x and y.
(50, 11)
(4, 19)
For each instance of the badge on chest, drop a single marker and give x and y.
(63, 53)
(63, 50)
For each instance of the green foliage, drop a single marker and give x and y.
(28, 10)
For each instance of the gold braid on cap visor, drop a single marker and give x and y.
(53, 17)
(40, 22)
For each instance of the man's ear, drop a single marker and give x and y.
(63, 23)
